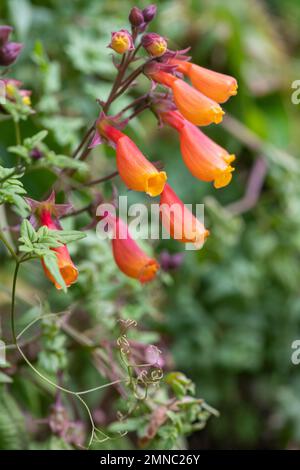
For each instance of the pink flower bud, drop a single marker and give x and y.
(121, 41)
(9, 53)
(154, 44)
(4, 34)
(136, 16)
(149, 13)
(36, 153)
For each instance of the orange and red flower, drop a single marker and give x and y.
(46, 213)
(204, 158)
(194, 105)
(217, 86)
(179, 221)
(67, 269)
(135, 170)
(129, 257)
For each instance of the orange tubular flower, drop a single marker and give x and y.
(135, 170)
(67, 269)
(194, 105)
(129, 257)
(179, 221)
(204, 158)
(217, 86)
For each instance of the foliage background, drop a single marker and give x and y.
(229, 315)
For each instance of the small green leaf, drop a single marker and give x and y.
(27, 232)
(68, 236)
(32, 142)
(5, 379)
(50, 261)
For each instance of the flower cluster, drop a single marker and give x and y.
(191, 98)
(188, 106)
(13, 91)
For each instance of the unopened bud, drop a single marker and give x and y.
(136, 16)
(169, 262)
(4, 34)
(154, 44)
(121, 41)
(9, 53)
(149, 13)
(36, 153)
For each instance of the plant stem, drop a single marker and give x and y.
(8, 246)
(138, 111)
(122, 69)
(101, 180)
(129, 80)
(13, 301)
(135, 102)
(83, 141)
(18, 133)
(15, 340)
(77, 211)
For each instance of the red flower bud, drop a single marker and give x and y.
(154, 44)
(149, 13)
(136, 17)
(121, 41)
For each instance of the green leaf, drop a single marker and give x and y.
(13, 435)
(68, 236)
(11, 190)
(5, 379)
(62, 161)
(32, 142)
(50, 261)
(27, 232)
(41, 244)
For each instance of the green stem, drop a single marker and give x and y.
(15, 340)
(13, 301)
(18, 133)
(9, 247)
(9, 175)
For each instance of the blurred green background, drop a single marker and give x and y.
(231, 312)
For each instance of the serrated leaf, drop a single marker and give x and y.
(27, 232)
(68, 236)
(32, 142)
(11, 190)
(62, 161)
(50, 261)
